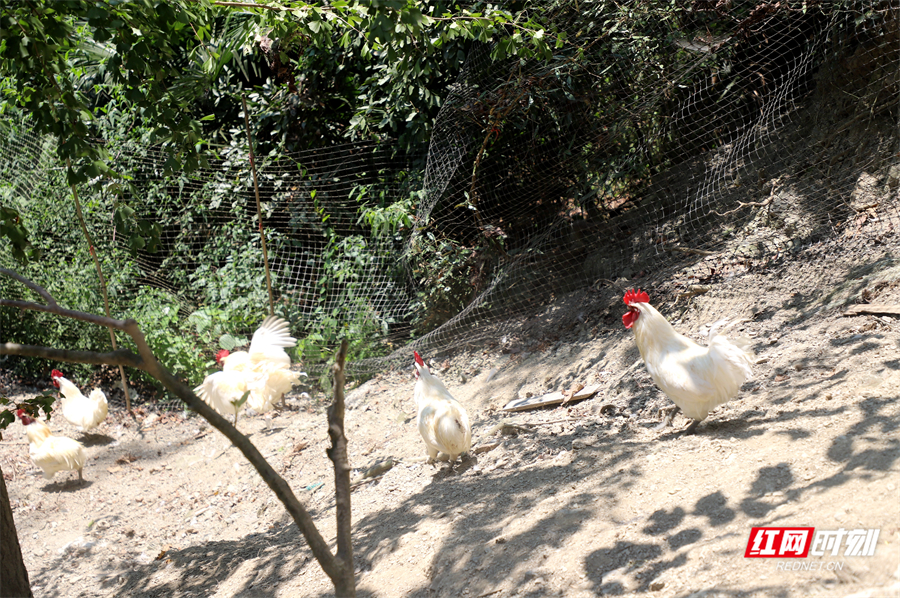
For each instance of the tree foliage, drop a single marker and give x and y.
(174, 61)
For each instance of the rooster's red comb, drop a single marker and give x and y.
(418, 358)
(56, 374)
(222, 354)
(638, 296)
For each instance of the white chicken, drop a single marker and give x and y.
(264, 371)
(85, 413)
(697, 379)
(51, 453)
(443, 422)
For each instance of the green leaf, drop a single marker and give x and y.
(240, 402)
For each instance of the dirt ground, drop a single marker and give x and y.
(586, 499)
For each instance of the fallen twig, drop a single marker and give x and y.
(693, 292)
(872, 310)
(691, 249)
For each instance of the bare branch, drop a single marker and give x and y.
(336, 569)
(278, 485)
(31, 285)
(120, 357)
(66, 313)
(342, 489)
(252, 5)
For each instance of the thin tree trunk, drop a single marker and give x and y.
(13, 575)
(345, 585)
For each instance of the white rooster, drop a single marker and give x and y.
(697, 379)
(264, 372)
(85, 413)
(443, 422)
(51, 453)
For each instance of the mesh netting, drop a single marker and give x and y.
(674, 150)
(729, 154)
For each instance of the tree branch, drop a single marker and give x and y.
(31, 285)
(146, 361)
(100, 278)
(254, 5)
(342, 490)
(120, 357)
(66, 313)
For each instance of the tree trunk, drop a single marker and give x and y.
(13, 575)
(345, 583)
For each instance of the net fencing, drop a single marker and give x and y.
(724, 154)
(649, 149)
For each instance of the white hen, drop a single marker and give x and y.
(264, 371)
(52, 453)
(443, 422)
(85, 413)
(696, 378)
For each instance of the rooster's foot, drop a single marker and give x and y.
(693, 427)
(670, 415)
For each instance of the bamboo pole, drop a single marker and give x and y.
(262, 233)
(90, 242)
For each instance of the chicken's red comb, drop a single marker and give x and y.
(418, 358)
(222, 354)
(56, 374)
(638, 296)
(20, 412)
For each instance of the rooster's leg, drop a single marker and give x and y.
(670, 415)
(80, 476)
(693, 427)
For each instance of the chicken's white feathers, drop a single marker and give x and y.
(697, 379)
(85, 413)
(222, 390)
(53, 453)
(442, 420)
(272, 336)
(269, 389)
(264, 370)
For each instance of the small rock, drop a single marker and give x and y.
(894, 176)
(656, 585)
(77, 547)
(533, 573)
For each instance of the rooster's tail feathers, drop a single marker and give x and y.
(98, 396)
(273, 332)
